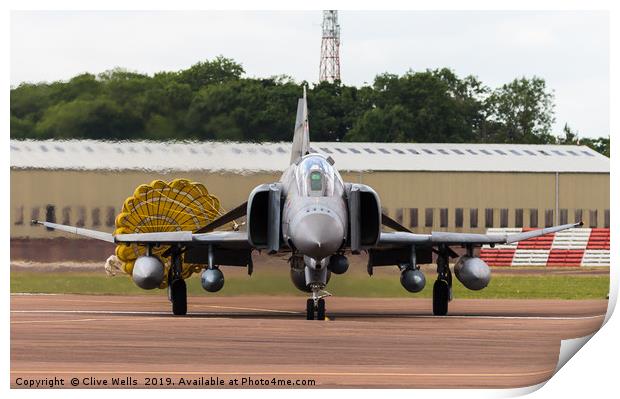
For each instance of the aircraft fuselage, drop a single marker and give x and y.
(314, 219)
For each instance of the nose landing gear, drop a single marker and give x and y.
(316, 276)
(315, 306)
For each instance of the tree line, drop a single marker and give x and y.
(214, 100)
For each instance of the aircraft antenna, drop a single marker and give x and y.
(329, 68)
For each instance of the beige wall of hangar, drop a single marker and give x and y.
(450, 200)
(561, 197)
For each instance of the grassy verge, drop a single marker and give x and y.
(355, 285)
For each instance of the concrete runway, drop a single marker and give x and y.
(368, 342)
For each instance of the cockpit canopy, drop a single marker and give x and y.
(316, 177)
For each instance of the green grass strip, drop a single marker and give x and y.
(356, 285)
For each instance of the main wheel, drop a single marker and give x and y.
(449, 280)
(320, 310)
(441, 296)
(310, 309)
(178, 296)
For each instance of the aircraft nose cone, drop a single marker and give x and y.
(317, 235)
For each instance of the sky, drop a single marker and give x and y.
(569, 49)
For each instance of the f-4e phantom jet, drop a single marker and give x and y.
(319, 219)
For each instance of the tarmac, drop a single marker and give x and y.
(265, 342)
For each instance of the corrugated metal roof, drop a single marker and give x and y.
(252, 157)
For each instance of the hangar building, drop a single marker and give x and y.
(460, 187)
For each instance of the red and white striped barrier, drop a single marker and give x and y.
(573, 248)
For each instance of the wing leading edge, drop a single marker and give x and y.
(219, 238)
(401, 238)
(99, 235)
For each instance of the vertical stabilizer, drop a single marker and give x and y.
(301, 136)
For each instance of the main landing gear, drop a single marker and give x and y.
(177, 289)
(442, 289)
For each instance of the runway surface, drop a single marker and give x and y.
(367, 342)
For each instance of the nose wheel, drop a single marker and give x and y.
(315, 306)
(315, 311)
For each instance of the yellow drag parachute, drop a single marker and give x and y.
(180, 205)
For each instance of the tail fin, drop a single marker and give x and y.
(301, 137)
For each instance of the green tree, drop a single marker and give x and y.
(436, 104)
(600, 145)
(94, 119)
(210, 72)
(159, 127)
(247, 109)
(31, 100)
(333, 109)
(570, 136)
(21, 128)
(213, 100)
(391, 124)
(520, 112)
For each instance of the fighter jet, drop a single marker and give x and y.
(319, 219)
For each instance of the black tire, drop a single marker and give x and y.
(310, 309)
(320, 310)
(178, 295)
(441, 297)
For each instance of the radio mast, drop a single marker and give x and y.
(329, 69)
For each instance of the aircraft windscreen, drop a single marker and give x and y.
(315, 177)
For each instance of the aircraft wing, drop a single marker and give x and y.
(99, 235)
(402, 238)
(229, 239)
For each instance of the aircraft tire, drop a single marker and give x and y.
(441, 297)
(320, 310)
(310, 309)
(178, 295)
